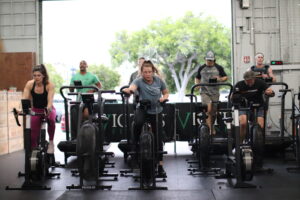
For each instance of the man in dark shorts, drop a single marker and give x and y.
(251, 89)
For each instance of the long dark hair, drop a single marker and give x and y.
(42, 69)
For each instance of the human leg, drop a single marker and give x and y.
(206, 100)
(243, 126)
(35, 127)
(51, 130)
(260, 117)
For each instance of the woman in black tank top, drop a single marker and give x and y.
(41, 91)
(39, 100)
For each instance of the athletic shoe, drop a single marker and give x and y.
(50, 149)
(161, 172)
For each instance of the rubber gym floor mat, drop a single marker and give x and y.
(279, 185)
(258, 194)
(138, 195)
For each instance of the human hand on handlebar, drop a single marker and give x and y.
(47, 111)
(269, 92)
(127, 91)
(162, 100)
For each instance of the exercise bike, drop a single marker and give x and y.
(148, 152)
(126, 145)
(201, 140)
(240, 164)
(295, 132)
(37, 161)
(255, 138)
(90, 141)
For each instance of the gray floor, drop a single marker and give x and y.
(181, 185)
(280, 185)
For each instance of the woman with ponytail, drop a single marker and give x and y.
(41, 93)
(151, 87)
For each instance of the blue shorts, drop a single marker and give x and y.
(260, 112)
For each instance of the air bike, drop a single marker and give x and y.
(295, 132)
(145, 150)
(89, 149)
(238, 165)
(248, 154)
(37, 161)
(204, 145)
(126, 145)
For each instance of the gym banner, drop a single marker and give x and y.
(178, 116)
(115, 130)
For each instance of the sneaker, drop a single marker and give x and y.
(161, 172)
(50, 149)
(233, 151)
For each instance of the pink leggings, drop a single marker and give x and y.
(36, 125)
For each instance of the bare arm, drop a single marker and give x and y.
(165, 96)
(132, 88)
(50, 96)
(99, 85)
(26, 91)
(222, 79)
(197, 81)
(268, 91)
(270, 72)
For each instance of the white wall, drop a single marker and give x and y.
(19, 26)
(273, 28)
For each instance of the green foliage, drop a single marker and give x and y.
(54, 77)
(179, 46)
(109, 78)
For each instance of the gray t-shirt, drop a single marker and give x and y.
(205, 73)
(151, 92)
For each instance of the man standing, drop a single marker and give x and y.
(210, 70)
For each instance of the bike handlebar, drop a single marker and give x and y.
(75, 87)
(31, 113)
(211, 85)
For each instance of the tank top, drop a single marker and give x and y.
(39, 100)
(264, 70)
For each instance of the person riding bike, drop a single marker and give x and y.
(150, 87)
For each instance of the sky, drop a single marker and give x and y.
(84, 29)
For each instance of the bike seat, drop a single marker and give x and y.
(201, 107)
(144, 104)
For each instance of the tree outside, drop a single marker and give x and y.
(177, 46)
(109, 78)
(54, 77)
